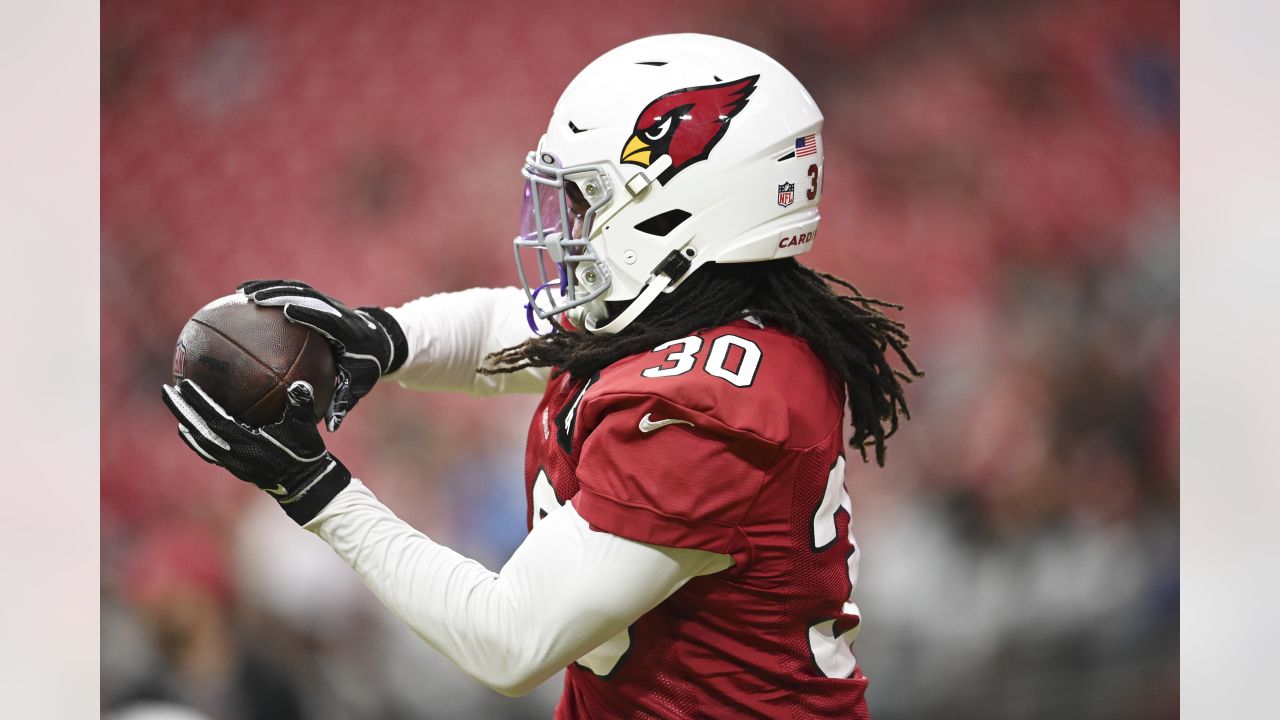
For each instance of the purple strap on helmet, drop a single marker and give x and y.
(528, 307)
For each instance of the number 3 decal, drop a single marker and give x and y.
(716, 365)
(812, 192)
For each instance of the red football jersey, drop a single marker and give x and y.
(730, 440)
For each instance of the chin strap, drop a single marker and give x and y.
(637, 306)
(671, 269)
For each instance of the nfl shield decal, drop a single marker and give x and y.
(786, 194)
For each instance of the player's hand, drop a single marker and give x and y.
(368, 341)
(287, 459)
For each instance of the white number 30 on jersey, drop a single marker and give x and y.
(684, 355)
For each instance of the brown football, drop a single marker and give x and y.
(245, 357)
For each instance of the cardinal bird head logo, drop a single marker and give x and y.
(686, 124)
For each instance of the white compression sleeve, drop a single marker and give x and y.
(449, 335)
(566, 590)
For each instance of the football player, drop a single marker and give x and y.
(690, 551)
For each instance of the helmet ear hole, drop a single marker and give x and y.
(662, 224)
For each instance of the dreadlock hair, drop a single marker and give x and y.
(849, 332)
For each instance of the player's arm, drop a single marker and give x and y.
(566, 590)
(450, 334)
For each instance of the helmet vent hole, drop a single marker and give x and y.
(662, 224)
(653, 63)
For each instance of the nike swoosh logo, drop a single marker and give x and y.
(648, 425)
(277, 490)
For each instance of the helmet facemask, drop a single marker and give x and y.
(558, 267)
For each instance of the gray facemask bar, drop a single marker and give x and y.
(563, 252)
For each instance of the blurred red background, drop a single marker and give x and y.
(1007, 170)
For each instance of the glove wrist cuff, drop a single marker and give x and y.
(315, 493)
(399, 344)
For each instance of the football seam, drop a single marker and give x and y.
(246, 350)
(265, 395)
(306, 339)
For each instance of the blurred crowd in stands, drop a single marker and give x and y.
(1006, 170)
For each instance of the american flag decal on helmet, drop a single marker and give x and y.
(807, 145)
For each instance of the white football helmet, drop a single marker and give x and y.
(664, 154)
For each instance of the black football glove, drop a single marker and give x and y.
(287, 459)
(368, 341)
